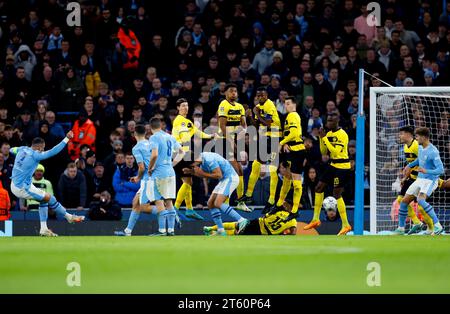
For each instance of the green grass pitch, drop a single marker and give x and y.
(195, 264)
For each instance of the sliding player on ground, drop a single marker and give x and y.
(213, 166)
(142, 153)
(430, 168)
(411, 150)
(269, 134)
(272, 223)
(231, 124)
(183, 130)
(26, 162)
(337, 172)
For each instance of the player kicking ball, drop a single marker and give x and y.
(213, 166)
(272, 223)
(430, 168)
(27, 160)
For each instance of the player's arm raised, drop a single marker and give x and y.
(55, 150)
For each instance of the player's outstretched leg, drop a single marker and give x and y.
(43, 216)
(59, 209)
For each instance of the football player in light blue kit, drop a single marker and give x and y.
(162, 181)
(142, 153)
(26, 162)
(430, 168)
(214, 166)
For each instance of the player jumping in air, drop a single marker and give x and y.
(183, 130)
(142, 153)
(430, 168)
(213, 166)
(292, 156)
(269, 133)
(272, 223)
(411, 150)
(231, 125)
(27, 159)
(162, 183)
(337, 172)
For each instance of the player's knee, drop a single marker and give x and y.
(337, 193)
(210, 204)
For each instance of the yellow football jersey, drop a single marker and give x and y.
(233, 112)
(183, 129)
(292, 132)
(274, 224)
(269, 111)
(411, 154)
(336, 143)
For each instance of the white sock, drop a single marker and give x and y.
(128, 231)
(67, 215)
(170, 230)
(438, 225)
(401, 228)
(162, 230)
(43, 225)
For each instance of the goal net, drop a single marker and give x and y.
(390, 109)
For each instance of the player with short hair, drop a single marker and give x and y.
(162, 183)
(213, 166)
(429, 170)
(292, 156)
(183, 130)
(411, 150)
(232, 126)
(26, 162)
(334, 142)
(142, 153)
(269, 132)
(271, 223)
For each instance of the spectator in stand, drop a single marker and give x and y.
(125, 190)
(5, 202)
(84, 133)
(41, 183)
(264, 58)
(104, 208)
(55, 128)
(97, 183)
(72, 188)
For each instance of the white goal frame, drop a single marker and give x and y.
(373, 143)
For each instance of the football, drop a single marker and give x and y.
(329, 203)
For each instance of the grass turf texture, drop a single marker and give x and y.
(195, 264)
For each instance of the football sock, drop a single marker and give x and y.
(342, 211)
(426, 218)
(229, 226)
(188, 198)
(411, 213)
(402, 213)
(58, 208)
(217, 218)
(162, 217)
(181, 195)
(254, 176)
(43, 215)
(227, 209)
(429, 210)
(240, 188)
(134, 216)
(284, 191)
(318, 205)
(273, 183)
(297, 195)
(171, 220)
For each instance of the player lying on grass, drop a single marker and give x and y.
(273, 223)
(214, 166)
(430, 168)
(411, 150)
(26, 162)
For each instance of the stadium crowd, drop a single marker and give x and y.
(120, 68)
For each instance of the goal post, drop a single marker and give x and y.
(390, 109)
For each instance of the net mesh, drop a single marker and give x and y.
(393, 111)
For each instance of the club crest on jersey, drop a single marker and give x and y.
(183, 124)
